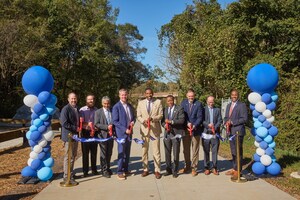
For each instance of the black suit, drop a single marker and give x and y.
(105, 147)
(239, 118)
(213, 142)
(177, 127)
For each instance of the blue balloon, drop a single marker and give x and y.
(272, 145)
(49, 162)
(44, 97)
(39, 108)
(37, 79)
(269, 151)
(45, 173)
(261, 118)
(42, 129)
(273, 131)
(262, 78)
(35, 135)
(38, 122)
(273, 158)
(263, 145)
(28, 171)
(47, 149)
(34, 116)
(28, 133)
(258, 168)
(256, 157)
(258, 139)
(53, 101)
(274, 96)
(253, 131)
(35, 164)
(33, 128)
(267, 124)
(266, 98)
(252, 106)
(51, 110)
(274, 169)
(47, 123)
(32, 143)
(271, 106)
(268, 139)
(262, 132)
(257, 124)
(44, 116)
(255, 113)
(41, 155)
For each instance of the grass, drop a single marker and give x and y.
(288, 161)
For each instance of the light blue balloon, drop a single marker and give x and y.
(268, 139)
(274, 96)
(51, 110)
(262, 132)
(49, 162)
(257, 124)
(45, 173)
(28, 135)
(44, 117)
(254, 119)
(38, 122)
(272, 145)
(33, 128)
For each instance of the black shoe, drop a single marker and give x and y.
(85, 174)
(109, 171)
(106, 174)
(175, 175)
(95, 173)
(167, 173)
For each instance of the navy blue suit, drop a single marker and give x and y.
(120, 122)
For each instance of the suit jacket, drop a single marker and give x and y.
(68, 121)
(119, 118)
(156, 114)
(239, 117)
(217, 119)
(195, 116)
(101, 123)
(178, 118)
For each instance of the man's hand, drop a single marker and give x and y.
(168, 121)
(109, 126)
(210, 126)
(190, 125)
(128, 132)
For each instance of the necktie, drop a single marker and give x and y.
(127, 114)
(211, 116)
(190, 107)
(170, 113)
(107, 117)
(149, 107)
(231, 109)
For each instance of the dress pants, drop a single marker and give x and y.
(233, 151)
(156, 153)
(88, 148)
(187, 141)
(73, 156)
(124, 155)
(169, 144)
(105, 154)
(212, 144)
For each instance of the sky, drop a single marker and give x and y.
(149, 16)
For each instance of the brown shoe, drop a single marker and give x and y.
(145, 173)
(129, 173)
(121, 177)
(230, 172)
(215, 172)
(206, 172)
(194, 172)
(157, 175)
(235, 175)
(185, 170)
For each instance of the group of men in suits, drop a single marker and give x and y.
(189, 122)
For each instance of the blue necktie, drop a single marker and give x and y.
(211, 116)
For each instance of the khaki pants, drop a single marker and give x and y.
(73, 156)
(155, 150)
(187, 141)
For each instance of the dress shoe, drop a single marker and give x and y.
(167, 173)
(157, 175)
(185, 170)
(109, 171)
(206, 172)
(121, 177)
(106, 174)
(85, 174)
(230, 172)
(175, 174)
(145, 173)
(194, 172)
(235, 175)
(215, 172)
(128, 173)
(95, 173)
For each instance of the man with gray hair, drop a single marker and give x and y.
(103, 122)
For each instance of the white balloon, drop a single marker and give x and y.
(31, 109)
(30, 100)
(37, 149)
(271, 119)
(260, 151)
(29, 161)
(260, 106)
(33, 155)
(266, 160)
(48, 135)
(256, 144)
(267, 113)
(43, 142)
(254, 97)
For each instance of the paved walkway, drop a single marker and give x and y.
(183, 187)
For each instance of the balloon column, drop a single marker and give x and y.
(37, 82)
(262, 80)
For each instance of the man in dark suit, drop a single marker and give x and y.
(123, 120)
(87, 112)
(103, 122)
(193, 110)
(235, 119)
(69, 119)
(173, 121)
(212, 122)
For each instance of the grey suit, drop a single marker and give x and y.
(105, 147)
(177, 127)
(239, 118)
(213, 142)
